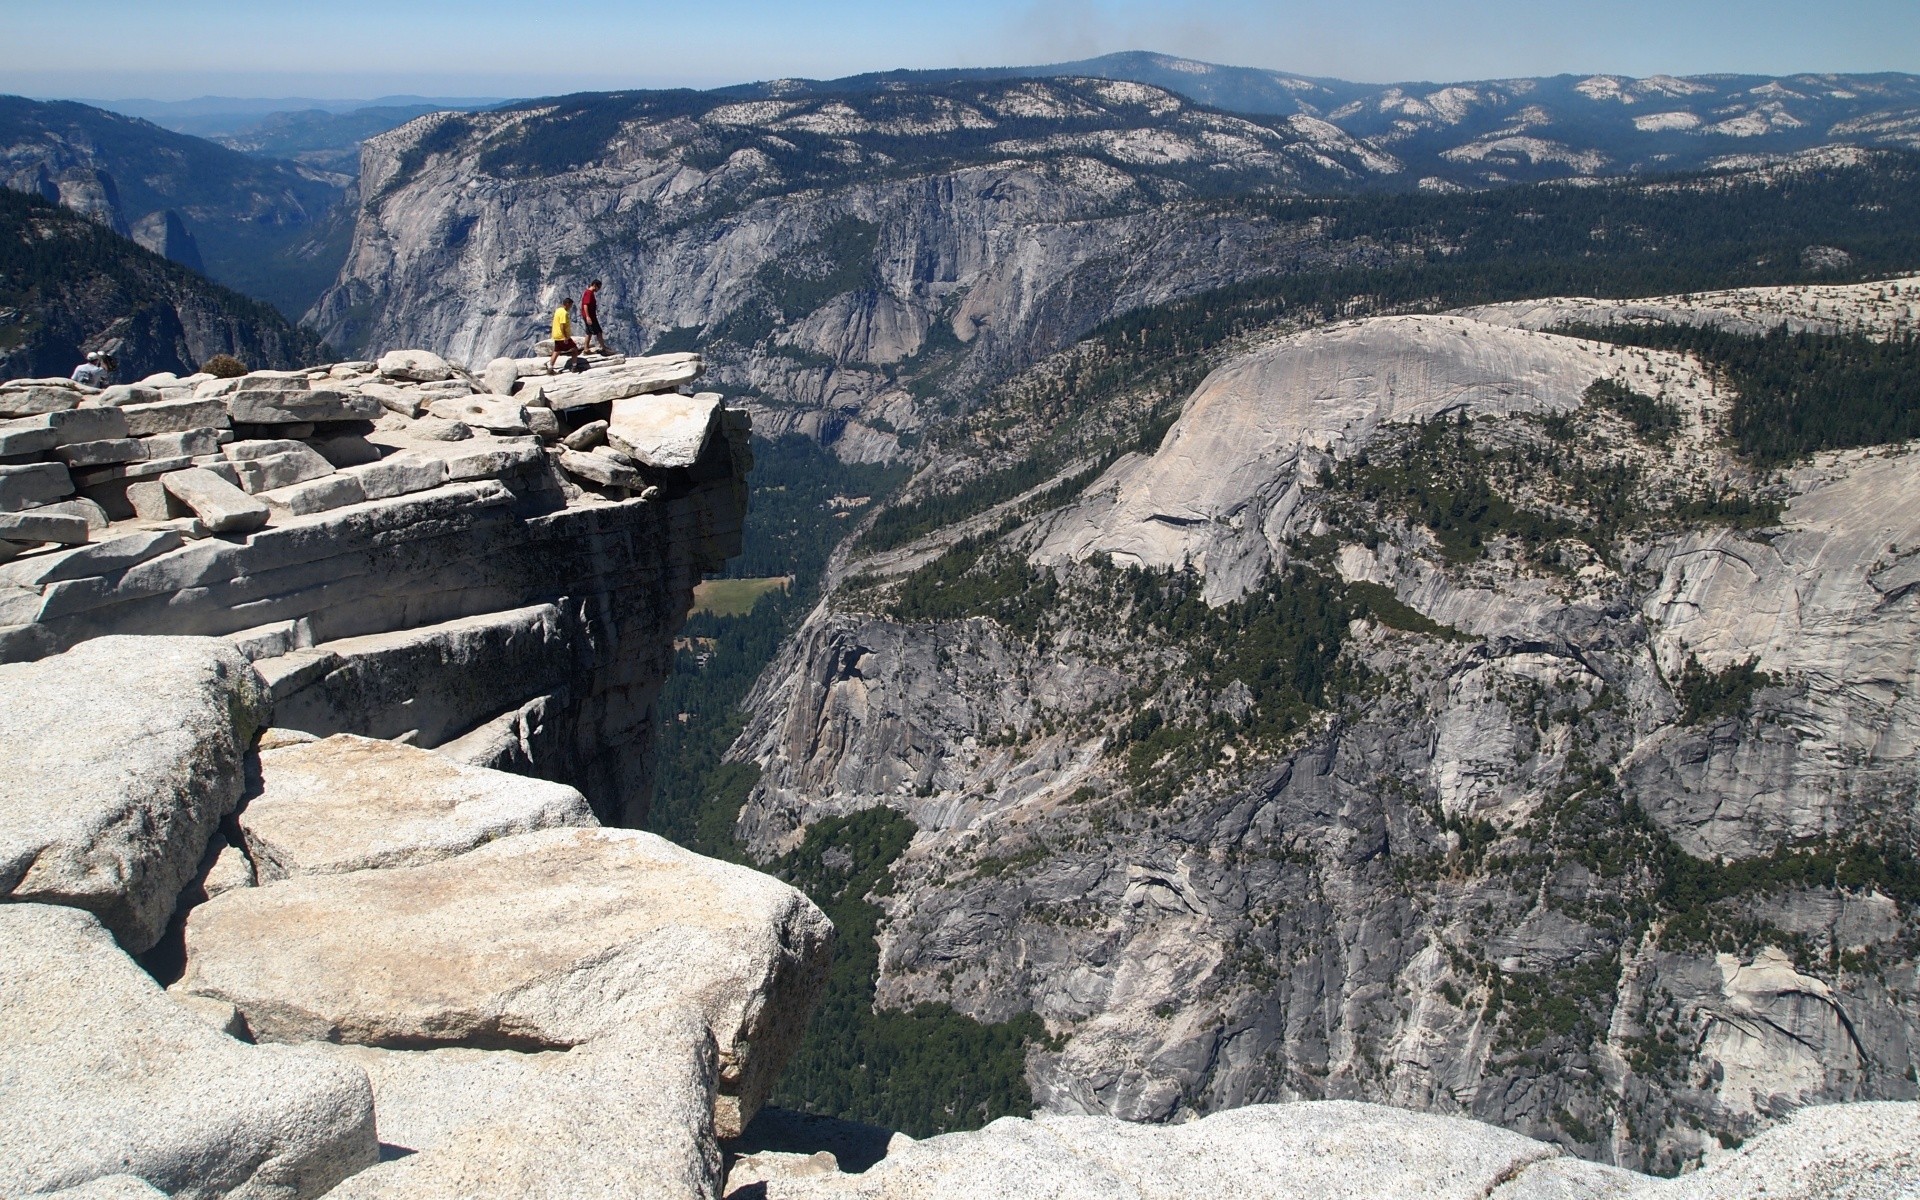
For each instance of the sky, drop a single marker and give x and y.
(114, 49)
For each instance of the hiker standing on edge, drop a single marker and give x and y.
(563, 342)
(590, 317)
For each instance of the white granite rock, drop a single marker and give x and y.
(105, 1076)
(350, 804)
(174, 416)
(122, 756)
(122, 394)
(417, 366)
(500, 376)
(249, 406)
(433, 429)
(1217, 492)
(100, 558)
(586, 437)
(634, 377)
(101, 453)
(628, 1116)
(35, 526)
(190, 442)
(314, 495)
(264, 466)
(599, 469)
(1836, 1152)
(1331, 1150)
(408, 402)
(28, 485)
(108, 1187)
(398, 474)
(490, 459)
(38, 396)
(664, 431)
(546, 939)
(491, 413)
(224, 507)
(28, 435)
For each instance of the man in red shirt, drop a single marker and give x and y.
(590, 318)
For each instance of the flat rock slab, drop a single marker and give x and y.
(491, 413)
(122, 756)
(31, 526)
(105, 1075)
(224, 507)
(599, 469)
(634, 377)
(251, 406)
(174, 416)
(102, 558)
(31, 484)
(544, 940)
(628, 1116)
(664, 431)
(1332, 1150)
(351, 803)
(29, 401)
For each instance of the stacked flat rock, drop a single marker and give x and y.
(226, 456)
(290, 398)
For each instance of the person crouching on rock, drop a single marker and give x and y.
(563, 342)
(93, 372)
(590, 317)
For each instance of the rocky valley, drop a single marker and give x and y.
(1185, 655)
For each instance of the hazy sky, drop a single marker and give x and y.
(330, 48)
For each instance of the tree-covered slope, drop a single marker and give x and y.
(265, 227)
(67, 285)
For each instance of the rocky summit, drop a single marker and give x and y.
(332, 686)
(1295, 640)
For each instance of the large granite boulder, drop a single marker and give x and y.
(1835, 1152)
(103, 1075)
(633, 377)
(351, 803)
(542, 941)
(121, 757)
(629, 1116)
(664, 431)
(414, 366)
(1333, 1150)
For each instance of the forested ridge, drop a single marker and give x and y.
(67, 284)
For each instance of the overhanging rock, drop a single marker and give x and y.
(443, 585)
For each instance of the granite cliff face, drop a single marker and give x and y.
(824, 248)
(401, 551)
(1608, 841)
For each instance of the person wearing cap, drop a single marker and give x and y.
(93, 372)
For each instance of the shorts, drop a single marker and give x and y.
(565, 346)
(593, 328)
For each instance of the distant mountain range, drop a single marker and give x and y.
(1492, 132)
(217, 116)
(268, 205)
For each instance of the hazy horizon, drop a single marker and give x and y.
(355, 49)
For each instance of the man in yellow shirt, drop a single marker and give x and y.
(563, 342)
